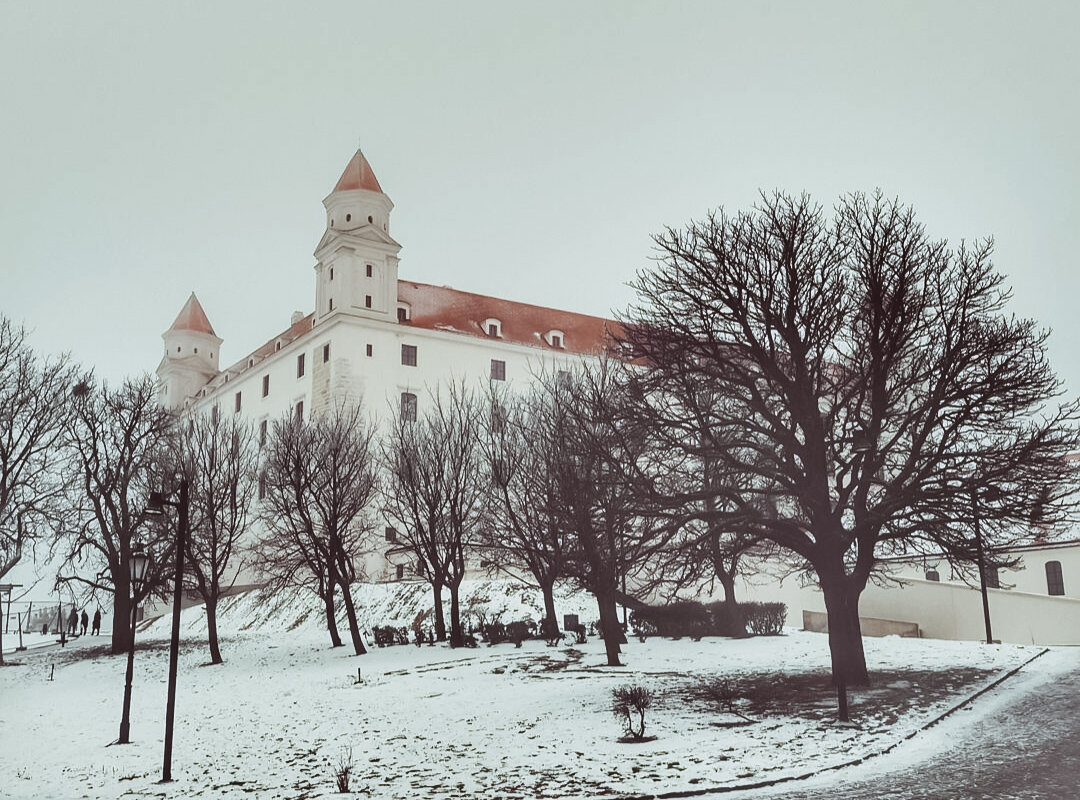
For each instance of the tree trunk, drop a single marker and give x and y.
(548, 588)
(845, 633)
(354, 626)
(121, 621)
(731, 605)
(331, 621)
(609, 626)
(457, 638)
(440, 622)
(211, 630)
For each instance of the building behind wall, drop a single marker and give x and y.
(373, 338)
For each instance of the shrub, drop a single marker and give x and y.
(764, 619)
(642, 626)
(518, 631)
(418, 627)
(383, 634)
(494, 632)
(343, 773)
(687, 618)
(579, 629)
(627, 701)
(726, 619)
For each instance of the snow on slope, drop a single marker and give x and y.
(492, 722)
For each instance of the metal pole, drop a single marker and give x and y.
(981, 556)
(125, 718)
(174, 646)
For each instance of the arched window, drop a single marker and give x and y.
(1055, 583)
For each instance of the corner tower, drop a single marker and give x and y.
(357, 267)
(192, 353)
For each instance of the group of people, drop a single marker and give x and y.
(74, 621)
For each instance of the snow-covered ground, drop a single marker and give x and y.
(275, 720)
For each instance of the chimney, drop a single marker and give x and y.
(296, 317)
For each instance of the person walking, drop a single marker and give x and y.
(97, 622)
(73, 621)
(85, 621)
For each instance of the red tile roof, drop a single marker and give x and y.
(358, 175)
(192, 318)
(445, 309)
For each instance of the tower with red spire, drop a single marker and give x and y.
(357, 269)
(192, 353)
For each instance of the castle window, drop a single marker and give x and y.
(300, 365)
(266, 385)
(277, 345)
(493, 328)
(325, 353)
(399, 572)
(177, 349)
(300, 411)
(236, 403)
(262, 433)
(369, 270)
(331, 303)
(1055, 583)
(348, 217)
(408, 355)
(262, 485)
(556, 341)
(331, 222)
(367, 350)
(498, 370)
(408, 407)
(367, 301)
(391, 534)
(196, 351)
(331, 273)
(214, 414)
(554, 338)
(402, 314)
(370, 218)
(251, 362)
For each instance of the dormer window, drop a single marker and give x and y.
(403, 312)
(277, 345)
(493, 328)
(555, 338)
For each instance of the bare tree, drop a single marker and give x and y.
(120, 441)
(34, 410)
(869, 382)
(435, 491)
(523, 535)
(602, 468)
(319, 482)
(219, 459)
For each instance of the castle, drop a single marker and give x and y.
(372, 338)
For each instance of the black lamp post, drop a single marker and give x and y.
(138, 563)
(156, 507)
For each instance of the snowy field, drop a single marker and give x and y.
(276, 719)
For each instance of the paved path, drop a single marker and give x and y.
(1027, 748)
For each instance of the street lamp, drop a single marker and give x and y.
(138, 564)
(155, 507)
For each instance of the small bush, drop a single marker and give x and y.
(494, 633)
(642, 626)
(764, 619)
(383, 634)
(519, 630)
(627, 701)
(580, 631)
(401, 635)
(343, 773)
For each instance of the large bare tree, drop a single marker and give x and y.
(319, 485)
(34, 410)
(220, 460)
(435, 492)
(120, 441)
(863, 383)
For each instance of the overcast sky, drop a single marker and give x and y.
(531, 149)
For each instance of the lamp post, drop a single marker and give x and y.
(156, 507)
(138, 563)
